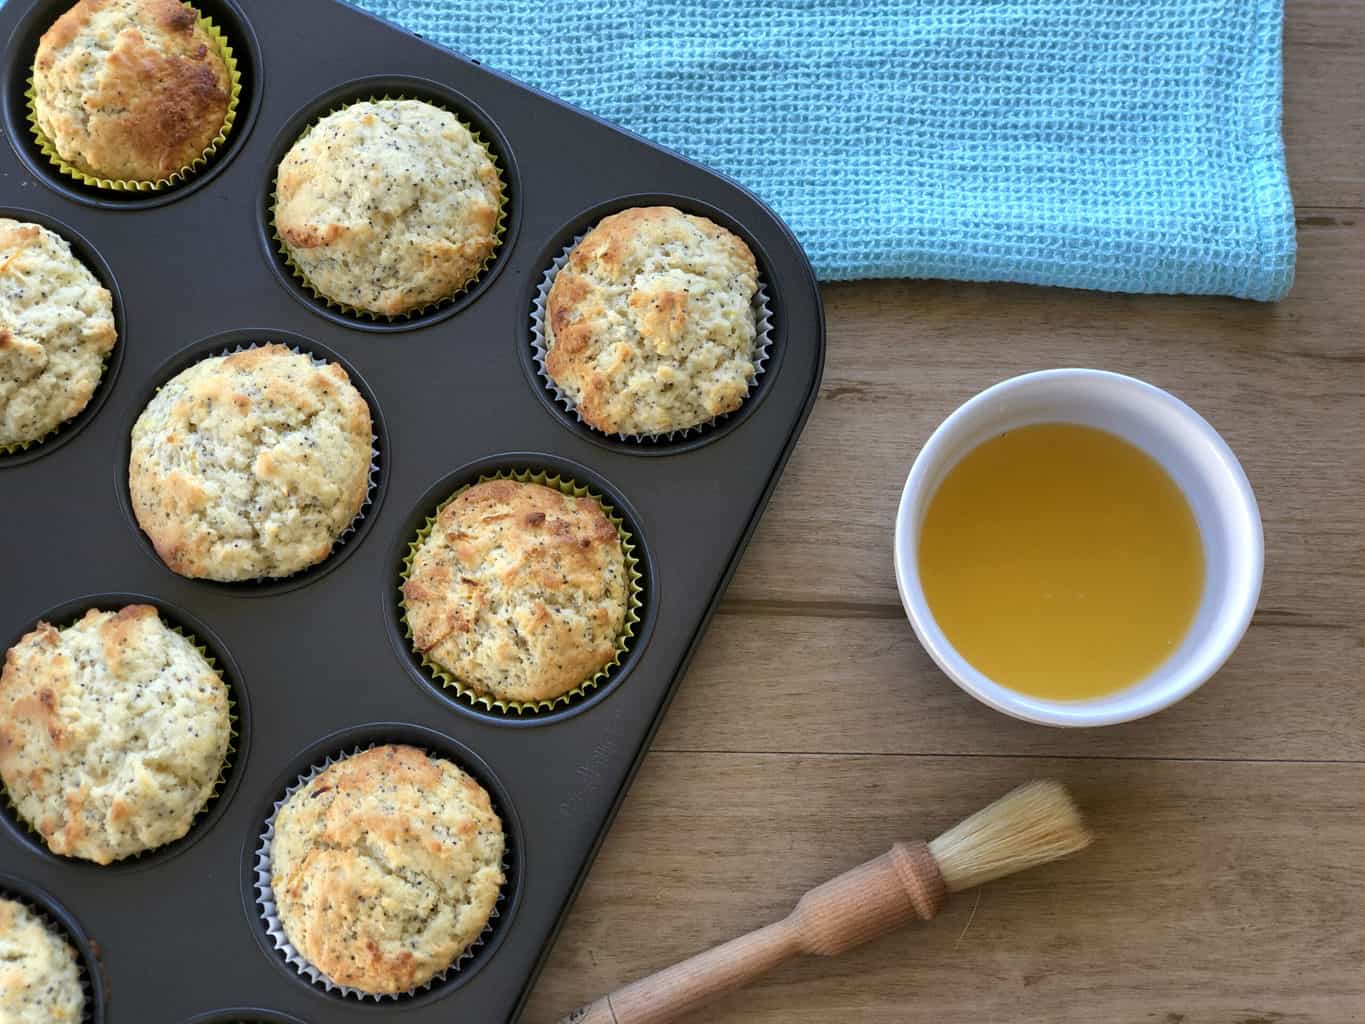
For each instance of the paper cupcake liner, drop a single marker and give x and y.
(634, 602)
(265, 895)
(541, 335)
(15, 447)
(131, 185)
(499, 229)
(229, 758)
(59, 929)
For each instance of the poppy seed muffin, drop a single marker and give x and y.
(40, 980)
(519, 591)
(56, 329)
(133, 90)
(113, 732)
(385, 868)
(650, 326)
(250, 465)
(388, 206)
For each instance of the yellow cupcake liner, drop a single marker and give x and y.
(499, 229)
(229, 756)
(15, 447)
(132, 185)
(634, 602)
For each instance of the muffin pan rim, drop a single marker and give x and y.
(220, 344)
(20, 50)
(235, 764)
(243, 1015)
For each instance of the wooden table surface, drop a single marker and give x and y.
(1227, 882)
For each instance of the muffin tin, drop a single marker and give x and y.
(318, 661)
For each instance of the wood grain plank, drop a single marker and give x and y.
(1224, 887)
(770, 680)
(1284, 384)
(1214, 893)
(1324, 113)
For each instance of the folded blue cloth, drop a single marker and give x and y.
(1128, 145)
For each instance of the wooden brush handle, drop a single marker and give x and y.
(675, 990)
(902, 884)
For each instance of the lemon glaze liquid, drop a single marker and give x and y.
(1061, 561)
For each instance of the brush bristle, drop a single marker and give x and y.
(1034, 824)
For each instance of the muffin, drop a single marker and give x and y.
(519, 591)
(133, 90)
(650, 326)
(250, 465)
(388, 206)
(56, 330)
(113, 732)
(385, 868)
(40, 981)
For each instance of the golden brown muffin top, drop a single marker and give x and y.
(113, 732)
(40, 982)
(56, 330)
(519, 591)
(386, 867)
(388, 205)
(650, 326)
(131, 90)
(250, 465)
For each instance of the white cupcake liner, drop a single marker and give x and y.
(370, 484)
(763, 321)
(265, 898)
(57, 928)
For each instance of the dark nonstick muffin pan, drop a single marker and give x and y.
(319, 662)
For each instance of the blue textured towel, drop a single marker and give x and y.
(1129, 145)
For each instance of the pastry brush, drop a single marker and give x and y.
(1032, 825)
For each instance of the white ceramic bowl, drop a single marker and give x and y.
(1190, 450)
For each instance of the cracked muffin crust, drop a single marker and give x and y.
(40, 980)
(650, 325)
(56, 329)
(133, 90)
(113, 732)
(250, 465)
(388, 206)
(519, 591)
(386, 867)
